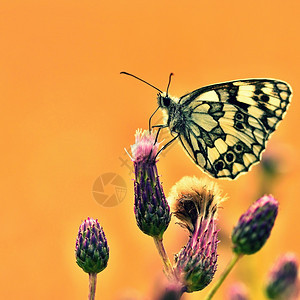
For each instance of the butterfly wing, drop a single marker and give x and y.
(229, 123)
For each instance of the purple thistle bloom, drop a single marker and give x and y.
(282, 282)
(238, 291)
(151, 208)
(195, 204)
(254, 226)
(91, 250)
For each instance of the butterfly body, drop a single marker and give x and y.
(224, 127)
(176, 116)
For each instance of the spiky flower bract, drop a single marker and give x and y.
(195, 204)
(91, 250)
(151, 208)
(254, 226)
(282, 282)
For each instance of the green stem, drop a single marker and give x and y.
(166, 261)
(92, 285)
(232, 263)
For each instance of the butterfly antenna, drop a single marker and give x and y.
(171, 74)
(141, 80)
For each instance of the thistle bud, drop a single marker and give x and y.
(151, 208)
(282, 280)
(173, 291)
(254, 226)
(270, 165)
(195, 205)
(91, 250)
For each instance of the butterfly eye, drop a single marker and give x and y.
(163, 102)
(166, 102)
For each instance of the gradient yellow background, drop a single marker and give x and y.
(67, 114)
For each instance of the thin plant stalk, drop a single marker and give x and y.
(232, 263)
(166, 261)
(92, 285)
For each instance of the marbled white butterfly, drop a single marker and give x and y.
(224, 127)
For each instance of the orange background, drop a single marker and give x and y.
(67, 114)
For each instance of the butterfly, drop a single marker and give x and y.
(224, 127)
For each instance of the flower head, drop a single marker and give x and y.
(194, 198)
(151, 208)
(145, 147)
(282, 280)
(238, 291)
(91, 250)
(196, 203)
(173, 291)
(270, 165)
(254, 226)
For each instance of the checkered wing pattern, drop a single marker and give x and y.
(226, 125)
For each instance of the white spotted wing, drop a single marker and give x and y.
(224, 127)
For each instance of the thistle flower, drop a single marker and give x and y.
(91, 251)
(151, 208)
(238, 291)
(282, 279)
(270, 165)
(173, 291)
(195, 205)
(273, 165)
(254, 226)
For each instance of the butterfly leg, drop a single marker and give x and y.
(150, 128)
(167, 144)
(160, 127)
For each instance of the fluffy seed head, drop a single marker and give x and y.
(192, 198)
(195, 203)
